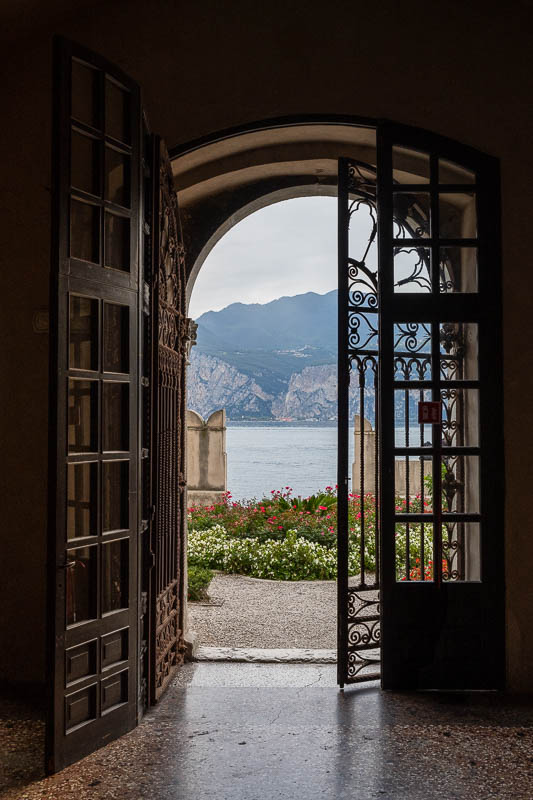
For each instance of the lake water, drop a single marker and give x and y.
(303, 455)
(270, 455)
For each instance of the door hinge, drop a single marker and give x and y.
(144, 525)
(146, 298)
(67, 564)
(144, 603)
(145, 382)
(145, 452)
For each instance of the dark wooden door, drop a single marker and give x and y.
(170, 335)
(441, 505)
(94, 406)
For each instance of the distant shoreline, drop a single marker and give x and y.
(295, 423)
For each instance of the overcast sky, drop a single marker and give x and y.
(285, 249)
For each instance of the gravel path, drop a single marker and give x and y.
(252, 612)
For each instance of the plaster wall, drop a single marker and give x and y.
(462, 70)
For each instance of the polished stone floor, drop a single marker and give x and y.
(261, 731)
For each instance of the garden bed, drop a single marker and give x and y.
(293, 539)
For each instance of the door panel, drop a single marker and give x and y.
(94, 469)
(442, 485)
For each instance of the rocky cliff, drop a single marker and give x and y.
(213, 383)
(310, 394)
(271, 361)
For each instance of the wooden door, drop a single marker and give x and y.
(94, 404)
(441, 505)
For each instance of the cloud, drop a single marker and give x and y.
(284, 249)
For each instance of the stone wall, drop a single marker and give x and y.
(206, 458)
(367, 454)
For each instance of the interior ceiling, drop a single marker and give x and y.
(25, 17)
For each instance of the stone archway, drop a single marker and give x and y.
(221, 182)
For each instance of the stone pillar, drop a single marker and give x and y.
(206, 458)
(415, 475)
(365, 454)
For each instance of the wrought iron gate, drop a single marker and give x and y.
(170, 337)
(358, 349)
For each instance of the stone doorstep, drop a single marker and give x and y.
(261, 655)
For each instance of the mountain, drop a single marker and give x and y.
(269, 343)
(271, 361)
(213, 383)
(289, 323)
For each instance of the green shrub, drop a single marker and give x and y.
(289, 559)
(199, 579)
(292, 558)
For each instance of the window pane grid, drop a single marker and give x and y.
(435, 249)
(434, 219)
(101, 170)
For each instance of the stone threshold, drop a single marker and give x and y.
(260, 655)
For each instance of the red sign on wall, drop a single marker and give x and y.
(430, 412)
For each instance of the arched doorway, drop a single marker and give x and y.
(439, 630)
(440, 233)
